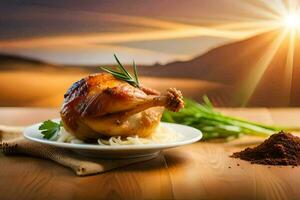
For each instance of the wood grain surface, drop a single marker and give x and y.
(197, 171)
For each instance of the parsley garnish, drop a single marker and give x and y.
(50, 128)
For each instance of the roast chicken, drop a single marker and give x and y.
(100, 106)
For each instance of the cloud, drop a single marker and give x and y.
(39, 28)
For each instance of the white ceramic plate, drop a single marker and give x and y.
(190, 135)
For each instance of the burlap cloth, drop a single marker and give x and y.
(12, 142)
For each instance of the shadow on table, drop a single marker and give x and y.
(157, 163)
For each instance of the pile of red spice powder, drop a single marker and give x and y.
(279, 149)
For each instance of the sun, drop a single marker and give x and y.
(292, 20)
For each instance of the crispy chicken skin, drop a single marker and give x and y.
(102, 106)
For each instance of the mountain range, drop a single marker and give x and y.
(254, 72)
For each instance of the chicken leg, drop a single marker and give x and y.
(101, 105)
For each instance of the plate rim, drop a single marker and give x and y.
(29, 128)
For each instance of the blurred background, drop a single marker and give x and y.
(238, 53)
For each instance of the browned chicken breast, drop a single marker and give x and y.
(102, 106)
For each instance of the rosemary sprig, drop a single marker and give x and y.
(135, 73)
(122, 74)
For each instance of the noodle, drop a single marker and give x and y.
(161, 135)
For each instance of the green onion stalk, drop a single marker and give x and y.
(214, 124)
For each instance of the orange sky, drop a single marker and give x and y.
(89, 32)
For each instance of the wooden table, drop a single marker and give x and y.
(198, 171)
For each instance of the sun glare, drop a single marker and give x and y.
(292, 20)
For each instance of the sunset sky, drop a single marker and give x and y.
(89, 32)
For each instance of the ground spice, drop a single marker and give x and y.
(279, 149)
